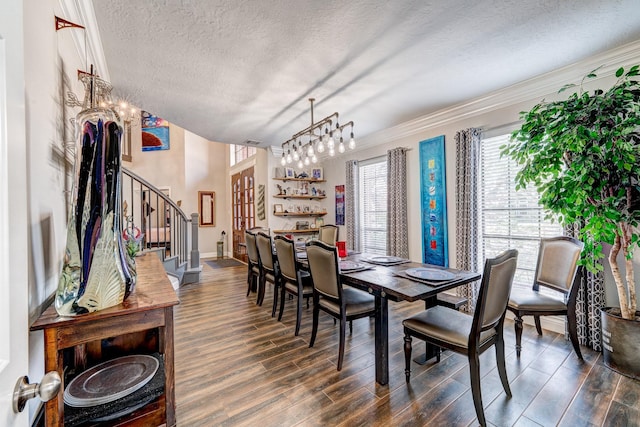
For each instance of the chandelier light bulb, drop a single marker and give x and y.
(289, 159)
(314, 159)
(320, 146)
(332, 152)
(310, 151)
(300, 165)
(331, 143)
(352, 142)
(341, 146)
(296, 157)
(284, 160)
(306, 161)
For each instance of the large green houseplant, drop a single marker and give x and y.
(582, 154)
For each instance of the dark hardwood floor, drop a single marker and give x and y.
(236, 365)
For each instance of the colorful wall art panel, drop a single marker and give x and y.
(339, 204)
(433, 200)
(155, 132)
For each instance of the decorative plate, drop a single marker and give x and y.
(350, 266)
(110, 380)
(434, 274)
(386, 259)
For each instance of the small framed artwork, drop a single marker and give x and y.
(319, 222)
(207, 208)
(288, 173)
(278, 208)
(316, 173)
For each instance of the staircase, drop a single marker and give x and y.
(164, 227)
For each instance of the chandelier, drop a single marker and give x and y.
(317, 138)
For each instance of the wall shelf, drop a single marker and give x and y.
(307, 231)
(299, 213)
(300, 179)
(293, 196)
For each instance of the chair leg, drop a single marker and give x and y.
(518, 326)
(249, 281)
(407, 356)
(538, 326)
(314, 328)
(275, 299)
(343, 330)
(573, 334)
(502, 370)
(261, 289)
(282, 299)
(299, 313)
(350, 327)
(474, 367)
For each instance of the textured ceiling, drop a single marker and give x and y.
(235, 70)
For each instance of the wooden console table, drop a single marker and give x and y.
(148, 308)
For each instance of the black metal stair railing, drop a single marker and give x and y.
(159, 219)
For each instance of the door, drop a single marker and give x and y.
(242, 196)
(14, 325)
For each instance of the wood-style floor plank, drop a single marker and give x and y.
(238, 366)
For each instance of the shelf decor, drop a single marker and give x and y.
(433, 199)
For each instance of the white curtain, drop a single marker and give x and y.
(351, 200)
(467, 208)
(397, 235)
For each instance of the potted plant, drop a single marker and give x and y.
(583, 156)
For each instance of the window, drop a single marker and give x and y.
(510, 219)
(240, 153)
(372, 205)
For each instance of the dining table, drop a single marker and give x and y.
(392, 283)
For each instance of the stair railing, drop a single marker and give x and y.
(160, 220)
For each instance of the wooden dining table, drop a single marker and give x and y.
(385, 285)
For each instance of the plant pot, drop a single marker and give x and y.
(621, 342)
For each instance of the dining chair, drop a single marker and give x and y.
(328, 234)
(342, 302)
(268, 269)
(293, 279)
(253, 264)
(471, 335)
(556, 269)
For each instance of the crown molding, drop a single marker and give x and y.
(81, 12)
(531, 89)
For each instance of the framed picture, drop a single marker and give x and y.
(155, 132)
(278, 208)
(316, 173)
(433, 200)
(339, 204)
(288, 173)
(319, 222)
(207, 208)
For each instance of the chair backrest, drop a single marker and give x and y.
(557, 263)
(252, 249)
(286, 252)
(265, 251)
(323, 265)
(495, 288)
(328, 234)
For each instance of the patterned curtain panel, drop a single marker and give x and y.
(353, 240)
(397, 234)
(589, 302)
(467, 208)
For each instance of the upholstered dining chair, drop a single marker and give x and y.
(344, 303)
(471, 335)
(268, 269)
(293, 280)
(556, 269)
(328, 234)
(253, 261)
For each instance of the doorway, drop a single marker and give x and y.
(242, 196)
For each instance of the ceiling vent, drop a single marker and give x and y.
(251, 142)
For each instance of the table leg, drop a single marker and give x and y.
(430, 349)
(382, 340)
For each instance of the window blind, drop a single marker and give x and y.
(510, 218)
(372, 206)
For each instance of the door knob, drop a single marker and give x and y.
(46, 390)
